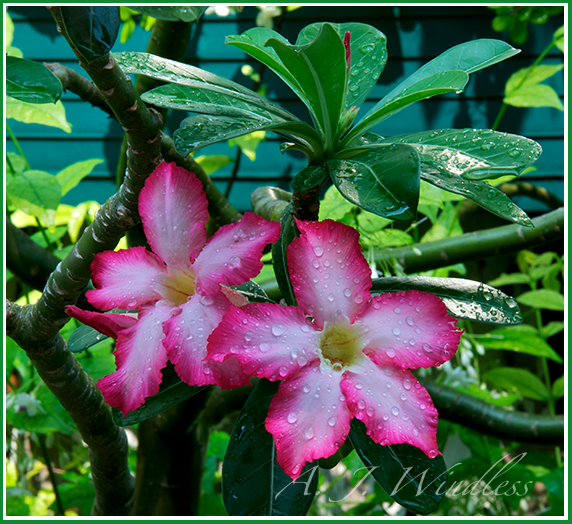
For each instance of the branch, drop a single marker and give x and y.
(78, 394)
(498, 241)
(80, 86)
(270, 202)
(30, 262)
(495, 421)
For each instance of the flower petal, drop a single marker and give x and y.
(392, 404)
(173, 209)
(410, 329)
(269, 340)
(125, 278)
(107, 323)
(308, 418)
(186, 343)
(329, 274)
(139, 358)
(232, 255)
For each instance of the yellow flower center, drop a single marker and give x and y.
(341, 345)
(178, 285)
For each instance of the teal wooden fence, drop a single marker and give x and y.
(415, 34)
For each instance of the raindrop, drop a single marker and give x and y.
(390, 353)
(331, 297)
(388, 372)
(315, 263)
(332, 421)
(347, 292)
(264, 347)
(403, 396)
(306, 389)
(396, 331)
(309, 433)
(427, 347)
(283, 371)
(234, 261)
(292, 417)
(207, 300)
(361, 404)
(385, 416)
(318, 250)
(249, 336)
(409, 321)
(278, 329)
(397, 310)
(406, 383)
(395, 410)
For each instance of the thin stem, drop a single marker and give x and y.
(234, 174)
(59, 504)
(17, 144)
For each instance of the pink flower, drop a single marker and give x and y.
(347, 38)
(176, 289)
(350, 361)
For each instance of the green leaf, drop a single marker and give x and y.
(252, 291)
(368, 56)
(467, 57)
(83, 338)
(36, 193)
(446, 225)
(480, 192)
(212, 100)
(403, 471)
(502, 400)
(558, 38)
(248, 143)
(463, 298)
(558, 388)
(523, 88)
(81, 213)
(382, 179)
(187, 13)
(176, 391)
(311, 176)
(53, 115)
(92, 29)
(71, 176)
(288, 232)
(551, 329)
(320, 69)
(474, 154)
(201, 130)
(521, 380)
(510, 279)
(335, 207)
(437, 84)
(253, 42)
(31, 82)
(543, 299)
(253, 484)
(520, 340)
(212, 163)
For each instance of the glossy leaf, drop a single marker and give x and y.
(368, 56)
(53, 115)
(437, 84)
(463, 298)
(201, 130)
(521, 380)
(543, 299)
(469, 57)
(253, 484)
(474, 154)
(320, 68)
(72, 175)
(210, 100)
(92, 29)
(382, 179)
(31, 82)
(186, 13)
(253, 41)
(288, 232)
(408, 476)
(480, 192)
(520, 340)
(311, 176)
(83, 338)
(170, 395)
(252, 291)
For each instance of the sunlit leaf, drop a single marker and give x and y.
(53, 115)
(72, 175)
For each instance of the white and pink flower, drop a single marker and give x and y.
(341, 353)
(176, 289)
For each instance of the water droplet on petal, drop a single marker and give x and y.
(283, 371)
(318, 250)
(264, 347)
(395, 410)
(332, 421)
(292, 417)
(278, 329)
(390, 353)
(396, 331)
(409, 321)
(309, 433)
(407, 383)
(331, 297)
(361, 404)
(404, 396)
